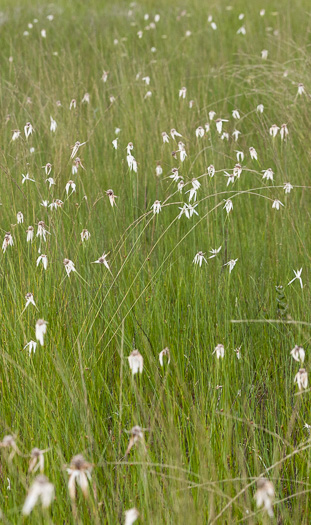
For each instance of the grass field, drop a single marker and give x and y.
(212, 426)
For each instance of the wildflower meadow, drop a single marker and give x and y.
(155, 229)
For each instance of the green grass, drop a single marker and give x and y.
(205, 446)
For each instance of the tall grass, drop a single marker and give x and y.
(214, 426)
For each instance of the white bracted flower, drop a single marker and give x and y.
(298, 354)
(40, 491)
(301, 378)
(136, 362)
(41, 330)
(219, 351)
(165, 353)
(79, 474)
(199, 258)
(265, 495)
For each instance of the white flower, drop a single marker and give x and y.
(37, 460)
(102, 260)
(241, 31)
(265, 495)
(260, 108)
(26, 177)
(175, 175)
(165, 137)
(183, 92)
(73, 104)
(136, 436)
(214, 252)
(75, 148)
(159, 170)
(235, 134)
(80, 474)
(165, 353)
(224, 136)
(41, 232)
(230, 177)
(29, 299)
(76, 165)
(283, 131)
(301, 378)
(28, 129)
(47, 168)
(20, 217)
(199, 258)
(274, 130)
(253, 153)
(231, 264)
(53, 125)
(148, 94)
(236, 114)
(175, 133)
(264, 54)
(207, 127)
(219, 122)
(188, 211)
(16, 134)
(180, 185)
(44, 260)
(86, 98)
(199, 132)
(239, 156)
(139, 34)
(136, 362)
(228, 205)
(237, 170)
(276, 204)
(131, 162)
(156, 207)
(69, 266)
(7, 241)
(32, 345)
(297, 276)
(43, 33)
(301, 89)
(211, 170)
(146, 80)
(238, 352)
(51, 181)
(262, 12)
(30, 232)
(70, 184)
(213, 26)
(40, 330)
(287, 187)
(115, 143)
(191, 102)
(40, 491)
(298, 353)
(220, 351)
(182, 151)
(85, 235)
(57, 203)
(268, 174)
(112, 197)
(211, 115)
(131, 516)
(105, 76)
